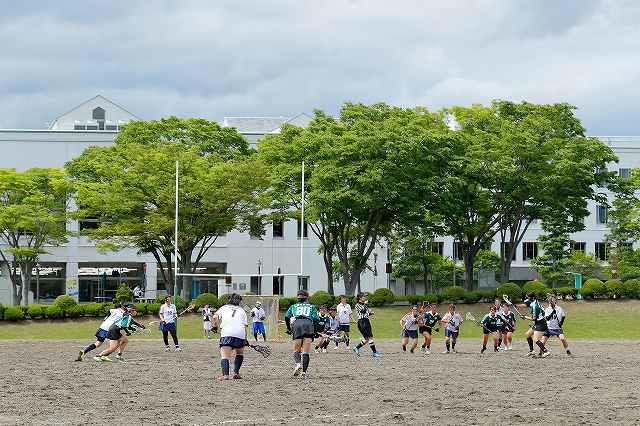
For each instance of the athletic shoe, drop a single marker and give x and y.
(209, 337)
(411, 350)
(105, 359)
(97, 358)
(236, 376)
(482, 350)
(304, 375)
(455, 351)
(422, 349)
(356, 351)
(324, 350)
(545, 354)
(531, 354)
(80, 356)
(316, 351)
(427, 352)
(223, 377)
(510, 348)
(569, 353)
(377, 355)
(297, 370)
(167, 349)
(446, 352)
(177, 349)
(119, 357)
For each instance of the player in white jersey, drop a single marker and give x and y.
(207, 314)
(101, 333)
(409, 323)
(232, 320)
(555, 317)
(258, 316)
(451, 321)
(344, 319)
(168, 315)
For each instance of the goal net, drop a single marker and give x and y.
(271, 307)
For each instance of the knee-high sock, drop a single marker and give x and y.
(305, 361)
(541, 346)
(224, 365)
(447, 345)
(237, 363)
(89, 348)
(174, 336)
(165, 337)
(297, 357)
(453, 343)
(530, 342)
(372, 345)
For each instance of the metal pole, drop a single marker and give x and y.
(175, 247)
(302, 225)
(38, 283)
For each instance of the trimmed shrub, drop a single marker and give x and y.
(285, 302)
(64, 302)
(512, 290)
(2, 308)
(74, 311)
(321, 298)
(454, 293)
(13, 313)
(180, 302)
(93, 309)
(385, 294)
(593, 288)
(224, 299)
(566, 292)
(35, 311)
(615, 288)
(206, 299)
(433, 298)
(160, 298)
(487, 296)
(124, 294)
(106, 307)
(53, 312)
(472, 296)
(25, 309)
(153, 308)
(536, 287)
(141, 308)
(632, 289)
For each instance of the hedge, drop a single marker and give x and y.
(141, 308)
(206, 299)
(93, 309)
(382, 296)
(13, 313)
(285, 302)
(54, 312)
(593, 288)
(2, 308)
(536, 287)
(321, 298)
(64, 302)
(153, 308)
(615, 288)
(74, 311)
(632, 289)
(454, 293)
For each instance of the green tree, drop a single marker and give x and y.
(130, 188)
(33, 215)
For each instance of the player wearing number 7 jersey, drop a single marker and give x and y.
(301, 321)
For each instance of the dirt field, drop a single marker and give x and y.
(42, 385)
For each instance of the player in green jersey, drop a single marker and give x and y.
(427, 322)
(539, 327)
(490, 326)
(301, 319)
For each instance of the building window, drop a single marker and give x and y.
(278, 286)
(436, 247)
(624, 173)
(306, 229)
(242, 286)
(504, 248)
(79, 127)
(601, 214)
(88, 224)
(602, 251)
(278, 229)
(92, 125)
(256, 285)
(303, 283)
(529, 250)
(458, 252)
(98, 114)
(579, 246)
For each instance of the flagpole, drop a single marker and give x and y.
(175, 246)
(302, 225)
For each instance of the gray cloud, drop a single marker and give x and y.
(211, 59)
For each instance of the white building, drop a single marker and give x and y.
(78, 268)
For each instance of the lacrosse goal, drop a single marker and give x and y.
(271, 307)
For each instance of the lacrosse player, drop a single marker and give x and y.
(427, 322)
(101, 333)
(300, 320)
(555, 317)
(490, 326)
(539, 328)
(258, 316)
(452, 321)
(232, 320)
(322, 327)
(207, 313)
(332, 331)
(409, 324)
(364, 326)
(344, 319)
(499, 325)
(508, 326)
(117, 342)
(168, 315)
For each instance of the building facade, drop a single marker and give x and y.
(79, 269)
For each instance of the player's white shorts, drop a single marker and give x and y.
(207, 325)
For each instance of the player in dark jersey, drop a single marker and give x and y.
(508, 326)
(364, 326)
(490, 326)
(117, 342)
(427, 322)
(322, 326)
(301, 319)
(539, 327)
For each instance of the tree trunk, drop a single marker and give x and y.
(25, 276)
(468, 270)
(186, 265)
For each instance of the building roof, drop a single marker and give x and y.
(261, 125)
(100, 98)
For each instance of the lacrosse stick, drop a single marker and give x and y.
(469, 317)
(511, 305)
(265, 351)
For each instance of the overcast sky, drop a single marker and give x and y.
(232, 58)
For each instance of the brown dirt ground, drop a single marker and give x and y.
(43, 385)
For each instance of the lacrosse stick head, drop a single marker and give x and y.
(469, 317)
(265, 351)
(506, 299)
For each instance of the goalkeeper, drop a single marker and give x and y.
(301, 319)
(258, 316)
